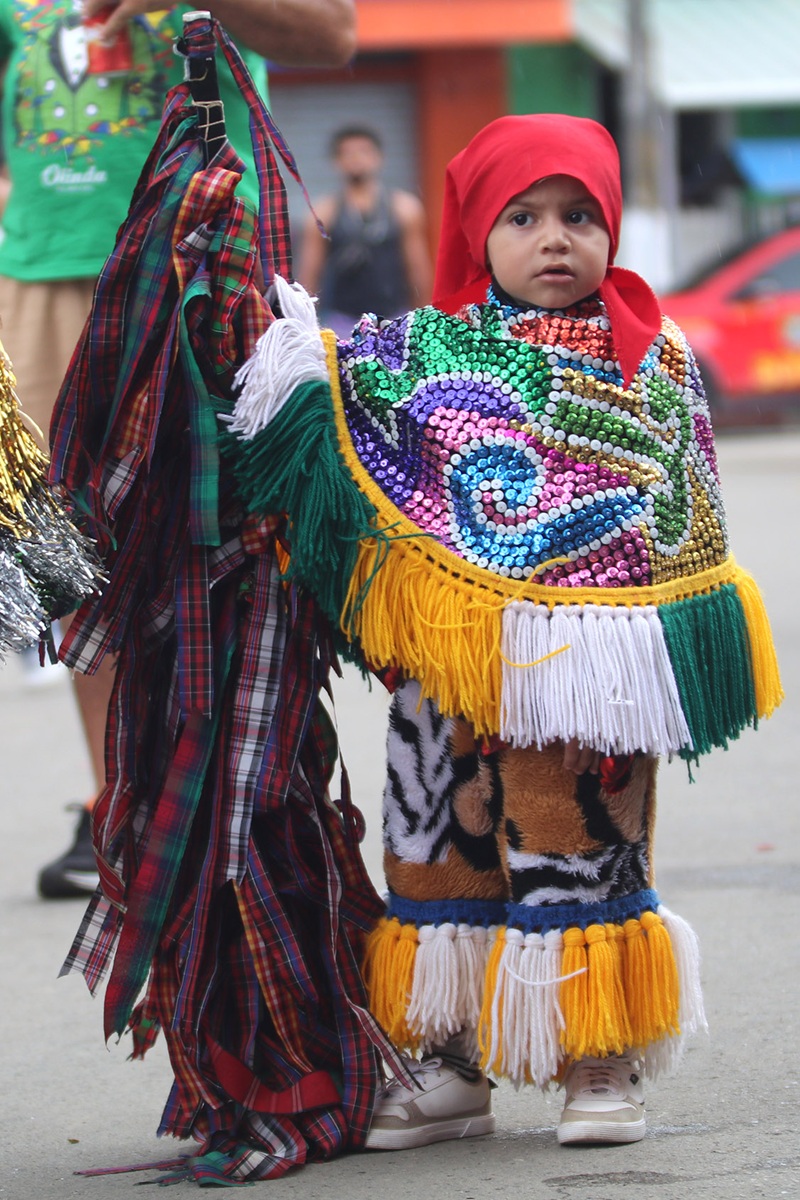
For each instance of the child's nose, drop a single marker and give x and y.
(555, 234)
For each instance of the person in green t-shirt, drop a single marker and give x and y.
(75, 138)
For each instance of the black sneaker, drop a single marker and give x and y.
(75, 872)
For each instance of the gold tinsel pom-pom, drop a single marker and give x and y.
(47, 566)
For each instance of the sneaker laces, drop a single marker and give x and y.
(592, 1075)
(416, 1068)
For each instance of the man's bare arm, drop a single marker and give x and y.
(313, 247)
(416, 256)
(295, 33)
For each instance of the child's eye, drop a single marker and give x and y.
(578, 216)
(521, 219)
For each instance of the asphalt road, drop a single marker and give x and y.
(728, 856)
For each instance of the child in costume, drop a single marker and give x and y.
(509, 503)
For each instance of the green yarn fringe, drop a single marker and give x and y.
(294, 465)
(709, 646)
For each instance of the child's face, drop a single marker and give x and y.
(550, 246)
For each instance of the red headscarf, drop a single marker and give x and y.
(506, 158)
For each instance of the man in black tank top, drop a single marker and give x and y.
(376, 258)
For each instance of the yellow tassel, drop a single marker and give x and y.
(415, 616)
(574, 995)
(638, 982)
(402, 980)
(664, 972)
(651, 980)
(388, 971)
(374, 967)
(766, 674)
(490, 1031)
(608, 1029)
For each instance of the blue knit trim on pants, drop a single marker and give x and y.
(529, 918)
(539, 918)
(444, 912)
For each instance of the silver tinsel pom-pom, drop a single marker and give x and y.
(60, 562)
(22, 618)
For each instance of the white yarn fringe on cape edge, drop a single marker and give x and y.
(609, 681)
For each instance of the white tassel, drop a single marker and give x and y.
(603, 675)
(663, 1056)
(550, 1018)
(539, 971)
(686, 947)
(472, 955)
(650, 708)
(290, 352)
(539, 681)
(558, 708)
(526, 1018)
(432, 1007)
(572, 699)
(512, 1006)
(601, 644)
(677, 730)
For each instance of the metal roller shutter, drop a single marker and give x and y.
(308, 114)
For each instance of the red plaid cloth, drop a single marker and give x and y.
(232, 888)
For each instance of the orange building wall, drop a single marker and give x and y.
(459, 92)
(408, 24)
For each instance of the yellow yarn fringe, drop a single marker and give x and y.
(626, 994)
(486, 1021)
(445, 637)
(388, 971)
(629, 994)
(608, 1013)
(574, 994)
(766, 674)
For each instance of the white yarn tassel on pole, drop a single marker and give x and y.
(291, 352)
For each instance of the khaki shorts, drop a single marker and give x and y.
(40, 324)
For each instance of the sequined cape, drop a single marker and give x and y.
(546, 549)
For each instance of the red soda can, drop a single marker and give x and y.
(114, 58)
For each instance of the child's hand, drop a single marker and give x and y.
(580, 759)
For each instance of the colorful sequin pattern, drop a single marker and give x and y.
(509, 437)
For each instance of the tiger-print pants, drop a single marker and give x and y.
(502, 864)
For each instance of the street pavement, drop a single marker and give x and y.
(728, 860)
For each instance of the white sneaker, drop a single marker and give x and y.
(444, 1103)
(605, 1101)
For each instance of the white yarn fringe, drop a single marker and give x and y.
(662, 1057)
(526, 1018)
(289, 353)
(447, 989)
(609, 681)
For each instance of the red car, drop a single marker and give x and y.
(742, 319)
